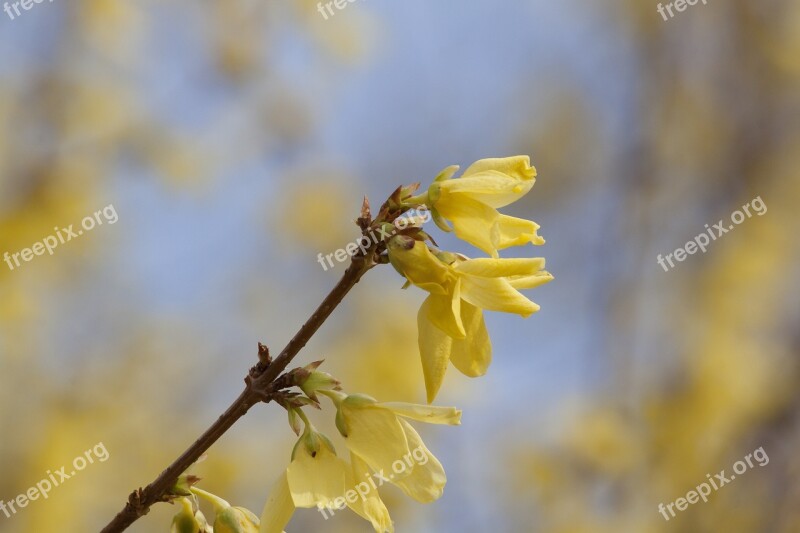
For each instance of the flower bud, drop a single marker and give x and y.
(312, 441)
(184, 485)
(407, 190)
(229, 519)
(188, 520)
(294, 421)
(236, 520)
(310, 381)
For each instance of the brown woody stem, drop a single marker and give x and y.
(260, 387)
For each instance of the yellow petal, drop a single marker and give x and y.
(518, 167)
(472, 220)
(496, 294)
(368, 505)
(444, 312)
(530, 282)
(513, 231)
(432, 414)
(425, 483)
(500, 268)
(473, 355)
(491, 188)
(375, 435)
(447, 173)
(434, 349)
(279, 507)
(316, 480)
(494, 182)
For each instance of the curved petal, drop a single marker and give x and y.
(434, 349)
(530, 282)
(496, 294)
(500, 268)
(444, 312)
(446, 174)
(316, 480)
(425, 483)
(375, 435)
(492, 188)
(473, 355)
(496, 182)
(472, 220)
(513, 231)
(431, 414)
(279, 507)
(369, 505)
(518, 167)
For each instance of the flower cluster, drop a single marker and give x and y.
(378, 435)
(451, 325)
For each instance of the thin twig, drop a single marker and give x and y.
(260, 387)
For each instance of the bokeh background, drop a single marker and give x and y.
(235, 139)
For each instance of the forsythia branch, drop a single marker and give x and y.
(260, 387)
(451, 330)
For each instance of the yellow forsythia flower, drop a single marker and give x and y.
(451, 325)
(471, 201)
(316, 477)
(377, 434)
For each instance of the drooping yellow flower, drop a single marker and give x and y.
(450, 321)
(377, 434)
(316, 477)
(471, 201)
